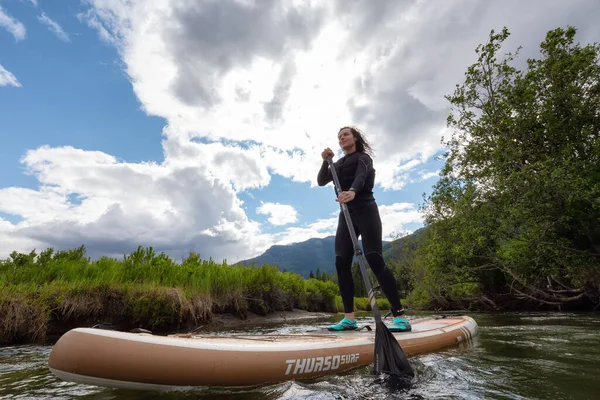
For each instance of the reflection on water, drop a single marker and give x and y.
(515, 356)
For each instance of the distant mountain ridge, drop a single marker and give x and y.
(302, 257)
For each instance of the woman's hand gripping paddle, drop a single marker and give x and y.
(388, 357)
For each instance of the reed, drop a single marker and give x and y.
(50, 292)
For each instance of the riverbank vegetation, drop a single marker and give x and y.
(46, 293)
(514, 220)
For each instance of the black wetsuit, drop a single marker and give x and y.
(355, 172)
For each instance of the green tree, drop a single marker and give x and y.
(516, 212)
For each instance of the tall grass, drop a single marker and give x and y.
(53, 291)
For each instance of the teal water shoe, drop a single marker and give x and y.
(400, 325)
(343, 325)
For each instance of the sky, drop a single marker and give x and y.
(198, 125)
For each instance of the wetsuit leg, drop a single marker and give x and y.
(344, 253)
(368, 221)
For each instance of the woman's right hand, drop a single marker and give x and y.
(326, 153)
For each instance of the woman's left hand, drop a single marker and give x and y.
(346, 197)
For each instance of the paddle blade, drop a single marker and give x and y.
(389, 357)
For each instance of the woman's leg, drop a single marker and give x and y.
(344, 252)
(368, 221)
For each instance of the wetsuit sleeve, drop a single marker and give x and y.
(324, 176)
(363, 168)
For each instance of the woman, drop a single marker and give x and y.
(357, 178)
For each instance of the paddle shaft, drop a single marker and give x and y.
(362, 261)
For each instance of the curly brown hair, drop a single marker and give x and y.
(362, 145)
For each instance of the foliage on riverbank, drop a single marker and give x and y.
(514, 221)
(51, 292)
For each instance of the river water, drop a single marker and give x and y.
(515, 356)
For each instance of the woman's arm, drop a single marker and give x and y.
(363, 168)
(324, 176)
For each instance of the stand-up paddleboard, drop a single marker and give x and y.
(145, 361)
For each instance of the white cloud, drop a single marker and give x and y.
(428, 175)
(54, 27)
(319, 229)
(13, 26)
(395, 217)
(91, 20)
(32, 2)
(122, 205)
(7, 78)
(280, 214)
(244, 168)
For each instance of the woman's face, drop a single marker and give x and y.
(346, 139)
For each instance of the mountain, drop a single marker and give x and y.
(302, 257)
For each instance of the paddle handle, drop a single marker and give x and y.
(362, 261)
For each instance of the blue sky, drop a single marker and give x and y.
(152, 124)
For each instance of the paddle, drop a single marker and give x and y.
(388, 356)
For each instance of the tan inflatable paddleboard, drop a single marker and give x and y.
(144, 361)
